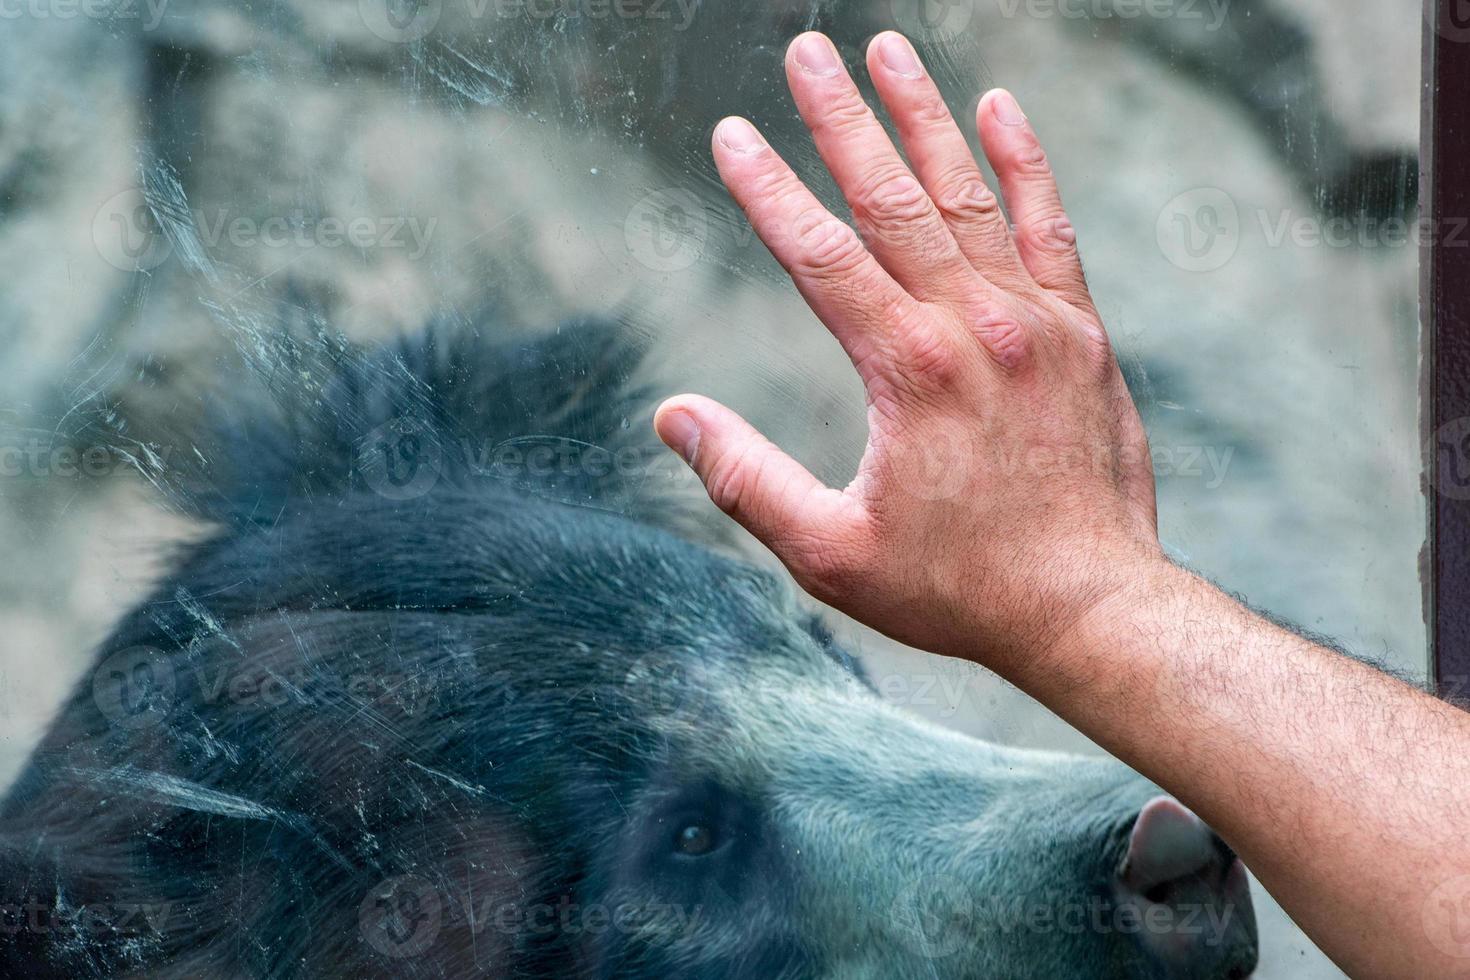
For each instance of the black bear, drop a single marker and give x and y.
(450, 690)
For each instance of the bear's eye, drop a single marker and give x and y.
(694, 840)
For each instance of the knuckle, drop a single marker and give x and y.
(893, 197)
(965, 198)
(1096, 344)
(1003, 336)
(830, 249)
(931, 360)
(930, 112)
(1049, 231)
(846, 116)
(1029, 162)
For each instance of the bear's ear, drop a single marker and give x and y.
(1168, 842)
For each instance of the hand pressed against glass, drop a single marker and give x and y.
(1006, 486)
(1004, 513)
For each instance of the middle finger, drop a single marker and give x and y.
(943, 161)
(893, 212)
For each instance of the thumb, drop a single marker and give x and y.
(770, 494)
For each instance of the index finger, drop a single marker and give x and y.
(841, 281)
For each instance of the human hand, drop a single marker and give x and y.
(1006, 488)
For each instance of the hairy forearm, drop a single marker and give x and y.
(1346, 791)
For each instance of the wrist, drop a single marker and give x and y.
(1091, 639)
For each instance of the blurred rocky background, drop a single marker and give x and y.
(179, 179)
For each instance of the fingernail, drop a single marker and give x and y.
(739, 135)
(816, 55)
(1006, 110)
(681, 432)
(899, 56)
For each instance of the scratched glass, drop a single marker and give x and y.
(181, 181)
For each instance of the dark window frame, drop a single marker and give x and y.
(1445, 275)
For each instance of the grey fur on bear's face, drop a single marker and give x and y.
(473, 730)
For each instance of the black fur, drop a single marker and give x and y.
(506, 721)
(338, 688)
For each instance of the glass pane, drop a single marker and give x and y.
(195, 196)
